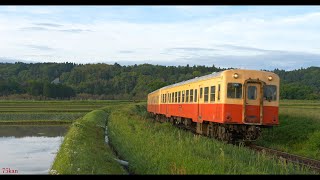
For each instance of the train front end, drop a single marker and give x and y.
(252, 97)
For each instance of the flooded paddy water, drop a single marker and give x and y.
(29, 149)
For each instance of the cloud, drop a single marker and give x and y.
(269, 61)
(237, 36)
(245, 48)
(48, 24)
(191, 49)
(45, 28)
(75, 30)
(35, 28)
(186, 52)
(39, 47)
(126, 52)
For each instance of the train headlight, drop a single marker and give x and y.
(270, 78)
(235, 75)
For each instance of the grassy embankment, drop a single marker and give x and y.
(84, 150)
(155, 148)
(299, 129)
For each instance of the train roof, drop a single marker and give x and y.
(205, 77)
(214, 74)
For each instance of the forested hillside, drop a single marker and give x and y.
(300, 84)
(105, 81)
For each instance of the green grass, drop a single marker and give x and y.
(84, 150)
(155, 148)
(299, 129)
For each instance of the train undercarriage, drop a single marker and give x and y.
(229, 133)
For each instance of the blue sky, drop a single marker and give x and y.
(250, 37)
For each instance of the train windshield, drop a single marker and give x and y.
(234, 90)
(270, 93)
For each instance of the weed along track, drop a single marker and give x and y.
(287, 157)
(303, 161)
(161, 148)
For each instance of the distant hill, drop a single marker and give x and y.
(300, 83)
(106, 81)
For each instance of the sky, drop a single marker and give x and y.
(248, 37)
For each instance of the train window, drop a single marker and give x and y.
(200, 92)
(270, 92)
(182, 96)
(234, 90)
(187, 96)
(195, 95)
(191, 95)
(252, 92)
(172, 96)
(179, 95)
(218, 92)
(176, 97)
(206, 94)
(213, 93)
(162, 98)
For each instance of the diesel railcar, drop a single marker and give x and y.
(231, 105)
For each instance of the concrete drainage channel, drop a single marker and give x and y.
(124, 164)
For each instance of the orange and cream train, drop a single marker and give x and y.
(231, 105)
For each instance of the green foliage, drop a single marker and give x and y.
(156, 84)
(300, 84)
(57, 91)
(128, 82)
(35, 88)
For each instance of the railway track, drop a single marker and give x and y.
(302, 161)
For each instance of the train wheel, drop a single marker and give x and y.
(171, 120)
(224, 134)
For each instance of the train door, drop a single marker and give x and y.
(200, 103)
(218, 107)
(253, 106)
(167, 103)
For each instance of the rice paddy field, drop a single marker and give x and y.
(36, 112)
